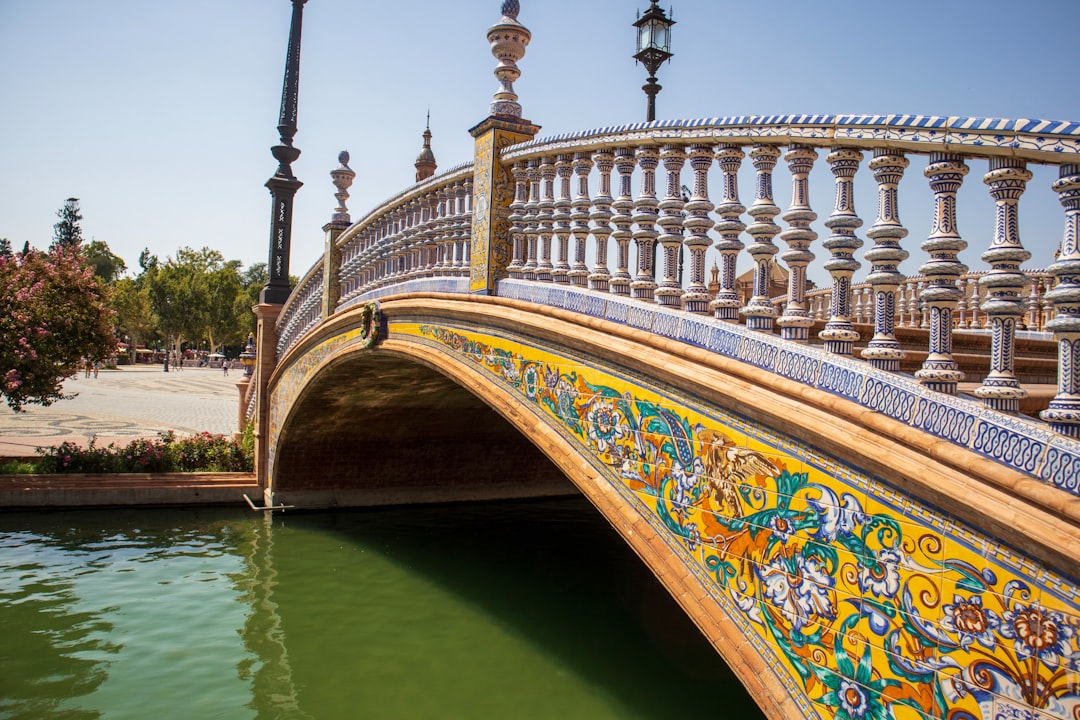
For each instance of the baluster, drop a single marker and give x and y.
(517, 220)
(1005, 283)
(759, 311)
(579, 218)
(883, 351)
(645, 217)
(1033, 323)
(961, 320)
(532, 219)
(976, 322)
(464, 254)
(940, 371)
(839, 333)
(726, 304)
(624, 207)
(669, 292)
(563, 169)
(453, 242)
(697, 223)
(601, 217)
(1063, 414)
(547, 220)
(796, 321)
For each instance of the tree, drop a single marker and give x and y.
(5, 248)
(107, 266)
(131, 301)
(179, 293)
(68, 233)
(54, 314)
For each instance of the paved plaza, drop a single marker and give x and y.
(123, 404)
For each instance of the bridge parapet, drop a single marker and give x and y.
(419, 241)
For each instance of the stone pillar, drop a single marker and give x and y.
(940, 371)
(796, 321)
(697, 223)
(601, 218)
(839, 333)
(493, 182)
(669, 292)
(759, 311)
(883, 351)
(265, 363)
(1064, 411)
(1005, 284)
(726, 304)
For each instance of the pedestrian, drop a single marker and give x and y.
(225, 367)
(97, 366)
(86, 366)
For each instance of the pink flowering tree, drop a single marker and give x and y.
(54, 314)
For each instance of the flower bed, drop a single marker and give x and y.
(165, 454)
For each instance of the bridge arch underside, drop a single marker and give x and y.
(378, 428)
(843, 564)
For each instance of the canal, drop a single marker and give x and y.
(493, 610)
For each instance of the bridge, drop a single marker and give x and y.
(858, 492)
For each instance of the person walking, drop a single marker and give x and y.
(225, 367)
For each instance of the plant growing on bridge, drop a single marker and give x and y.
(54, 314)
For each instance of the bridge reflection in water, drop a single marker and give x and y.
(857, 532)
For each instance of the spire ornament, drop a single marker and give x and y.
(508, 39)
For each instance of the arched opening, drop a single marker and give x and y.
(375, 428)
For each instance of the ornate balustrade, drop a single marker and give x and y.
(641, 208)
(945, 296)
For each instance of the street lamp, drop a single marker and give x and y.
(247, 358)
(653, 49)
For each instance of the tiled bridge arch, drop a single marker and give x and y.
(844, 563)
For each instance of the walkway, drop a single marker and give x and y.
(123, 404)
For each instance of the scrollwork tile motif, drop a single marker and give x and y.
(863, 602)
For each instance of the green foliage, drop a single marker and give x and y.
(166, 453)
(68, 233)
(107, 266)
(54, 314)
(18, 467)
(5, 248)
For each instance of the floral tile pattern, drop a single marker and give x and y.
(864, 602)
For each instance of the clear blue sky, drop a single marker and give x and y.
(159, 115)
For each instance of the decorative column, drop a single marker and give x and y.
(697, 223)
(1005, 284)
(645, 216)
(579, 218)
(1064, 411)
(839, 333)
(759, 311)
(726, 304)
(601, 218)
(624, 207)
(883, 351)
(532, 220)
(517, 220)
(563, 169)
(940, 371)
(669, 292)
(493, 183)
(796, 321)
(342, 177)
(547, 219)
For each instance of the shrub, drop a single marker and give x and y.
(166, 453)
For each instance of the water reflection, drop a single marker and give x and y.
(523, 610)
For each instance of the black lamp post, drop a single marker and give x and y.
(653, 49)
(283, 185)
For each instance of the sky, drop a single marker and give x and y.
(159, 116)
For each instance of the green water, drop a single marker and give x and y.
(509, 610)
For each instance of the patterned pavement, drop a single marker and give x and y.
(123, 404)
